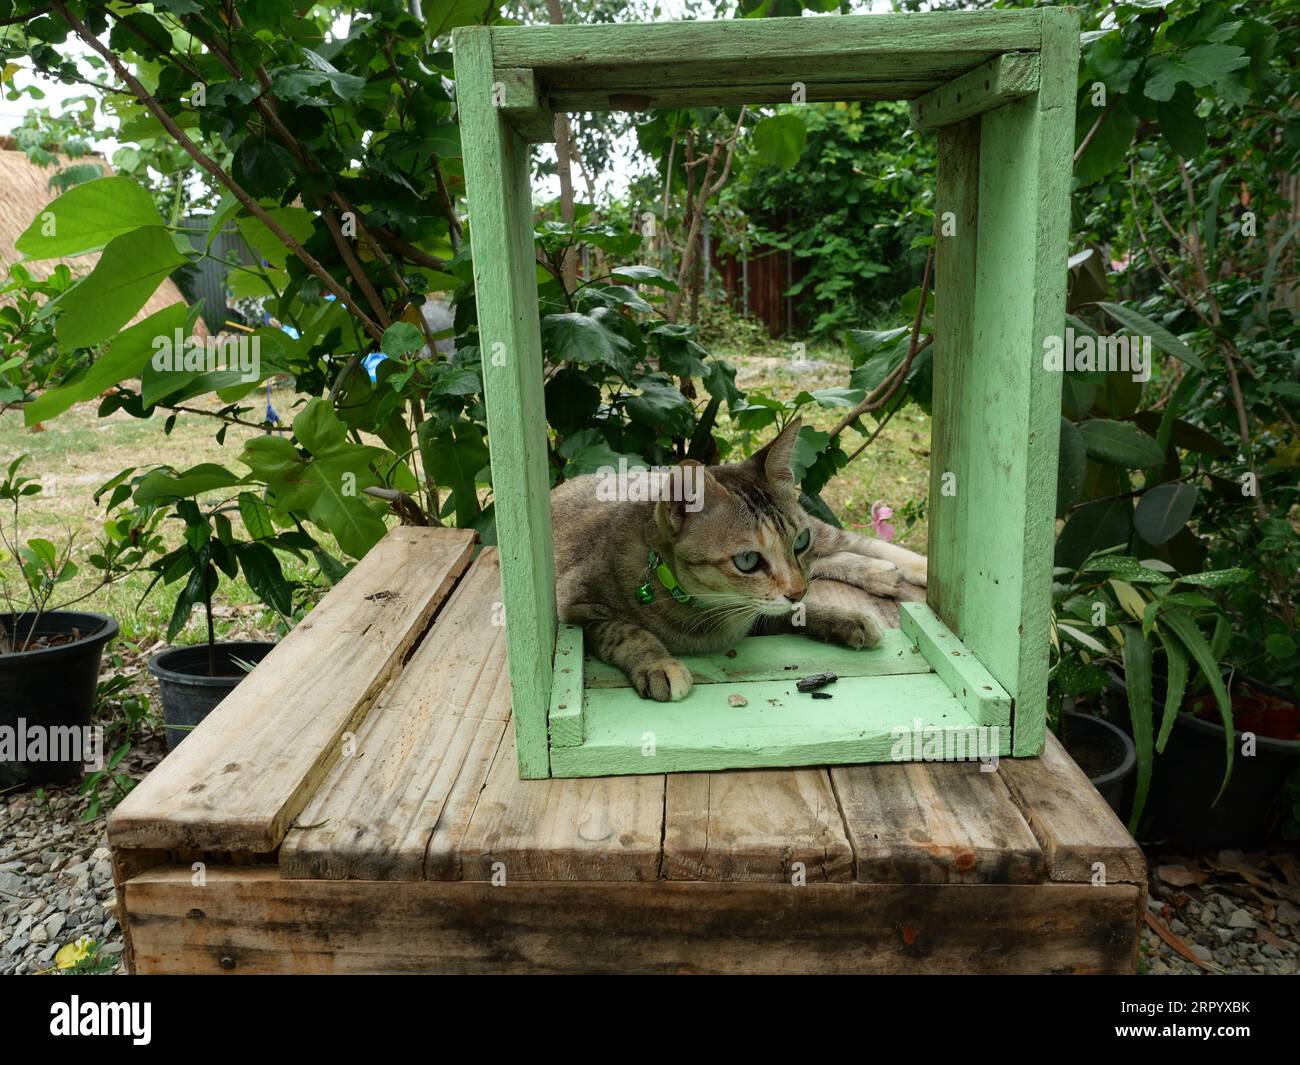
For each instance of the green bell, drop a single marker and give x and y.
(644, 594)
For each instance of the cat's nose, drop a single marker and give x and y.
(796, 592)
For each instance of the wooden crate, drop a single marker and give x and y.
(355, 806)
(999, 88)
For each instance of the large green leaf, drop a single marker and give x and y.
(1109, 144)
(1137, 680)
(256, 515)
(1182, 626)
(1071, 465)
(585, 339)
(645, 275)
(442, 16)
(327, 487)
(1124, 568)
(1216, 578)
(1162, 511)
(127, 274)
(1120, 444)
(1199, 67)
(453, 458)
(205, 477)
(1175, 686)
(87, 217)
(1094, 527)
(125, 358)
(1161, 338)
(661, 406)
(779, 140)
(298, 222)
(1182, 127)
(262, 570)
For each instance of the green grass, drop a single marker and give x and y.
(894, 469)
(76, 453)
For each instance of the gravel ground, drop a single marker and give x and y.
(1227, 913)
(56, 880)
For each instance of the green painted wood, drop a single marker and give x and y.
(783, 657)
(983, 697)
(1001, 408)
(666, 95)
(719, 58)
(868, 719)
(515, 93)
(1001, 80)
(957, 210)
(566, 691)
(500, 205)
(1003, 173)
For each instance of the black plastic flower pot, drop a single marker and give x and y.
(47, 691)
(1188, 775)
(1106, 754)
(189, 691)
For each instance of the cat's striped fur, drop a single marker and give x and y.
(602, 546)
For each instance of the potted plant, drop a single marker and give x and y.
(50, 655)
(194, 679)
(1263, 658)
(1253, 808)
(1143, 621)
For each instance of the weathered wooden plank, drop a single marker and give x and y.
(981, 695)
(1080, 835)
(246, 772)
(515, 93)
(865, 720)
(566, 695)
(500, 202)
(250, 921)
(1002, 79)
(420, 758)
(842, 48)
(935, 823)
(783, 657)
(763, 824)
(605, 829)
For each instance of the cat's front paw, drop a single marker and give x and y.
(915, 572)
(842, 627)
(880, 578)
(665, 680)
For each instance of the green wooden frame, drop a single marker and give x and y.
(998, 86)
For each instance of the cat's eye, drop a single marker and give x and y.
(802, 541)
(746, 561)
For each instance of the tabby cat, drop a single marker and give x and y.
(695, 573)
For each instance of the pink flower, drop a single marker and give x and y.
(881, 512)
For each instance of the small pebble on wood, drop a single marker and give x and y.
(737, 700)
(822, 695)
(815, 681)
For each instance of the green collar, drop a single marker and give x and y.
(657, 567)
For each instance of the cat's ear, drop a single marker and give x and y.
(774, 459)
(690, 489)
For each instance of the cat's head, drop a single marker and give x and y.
(747, 540)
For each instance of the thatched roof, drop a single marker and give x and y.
(24, 192)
